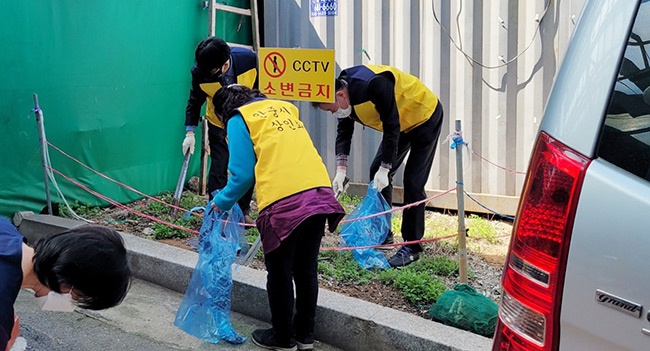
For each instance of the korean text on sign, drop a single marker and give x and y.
(297, 74)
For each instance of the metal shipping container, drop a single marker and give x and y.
(492, 64)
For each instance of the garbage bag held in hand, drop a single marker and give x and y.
(205, 309)
(369, 231)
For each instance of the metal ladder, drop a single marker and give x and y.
(252, 13)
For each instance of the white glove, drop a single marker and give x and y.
(188, 143)
(338, 184)
(381, 178)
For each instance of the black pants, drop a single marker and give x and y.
(422, 142)
(297, 259)
(218, 174)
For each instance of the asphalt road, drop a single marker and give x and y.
(143, 322)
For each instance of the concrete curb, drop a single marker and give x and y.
(345, 322)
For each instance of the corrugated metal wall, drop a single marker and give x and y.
(494, 75)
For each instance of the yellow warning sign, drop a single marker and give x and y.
(297, 74)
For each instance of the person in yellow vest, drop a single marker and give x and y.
(217, 65)
(410, 117)
(270, 146)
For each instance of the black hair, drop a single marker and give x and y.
(339, 83)
(211, 53)
(91, 259)
(231, 97)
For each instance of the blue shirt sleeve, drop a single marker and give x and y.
(241, 164)
(11, 276)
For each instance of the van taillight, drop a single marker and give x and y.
(534, 272)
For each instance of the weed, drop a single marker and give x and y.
(418, 287)
(481, 228)
(162, 231)
(189, 200)
(342, 267)
(252, 234)
(417, 281)
(82, 210)
(156, 208)
(441, 266)
(349, 202)
(396, 223)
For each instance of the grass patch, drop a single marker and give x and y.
(420, 282)
(340, 266)
(82, 210)
(481, 228)
(418, 287)
(440, 266)
(152, 208)
(163, 231)
(349, 202)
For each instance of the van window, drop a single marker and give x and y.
(625, 140)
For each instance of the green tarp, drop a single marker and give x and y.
(112, 80)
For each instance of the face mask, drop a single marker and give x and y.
(342, 112)
(56, 302)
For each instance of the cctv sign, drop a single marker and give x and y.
(297, 74)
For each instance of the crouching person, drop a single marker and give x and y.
(83, 267)
(269, 146)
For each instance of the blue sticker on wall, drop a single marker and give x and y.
(323, 7)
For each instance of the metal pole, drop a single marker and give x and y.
(203, 166)
(462, 245)
(41, 139)
(212, 19)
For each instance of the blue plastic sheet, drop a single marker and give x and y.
(205, 309)
(368, 232)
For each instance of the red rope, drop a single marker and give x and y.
(115, 203)
(395, 209)
(496, 165)
(118, 182)
(347, 248)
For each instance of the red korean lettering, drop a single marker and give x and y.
(304, 90)
(269, 89)
(287, 89)
(323, 90)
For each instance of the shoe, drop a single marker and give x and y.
(404, 257)
(305, 343)
(389, 240)
(266, 338)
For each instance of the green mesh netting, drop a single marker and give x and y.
(466, 309)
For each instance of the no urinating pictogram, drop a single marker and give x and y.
(275, 64)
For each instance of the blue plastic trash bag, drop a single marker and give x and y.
(205, 309)
(368, 232)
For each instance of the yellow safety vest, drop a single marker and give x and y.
(247, 78)
(415, 102)
(287, 161)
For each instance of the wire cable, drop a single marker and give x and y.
(468, 57)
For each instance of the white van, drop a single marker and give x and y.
(576, 275)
